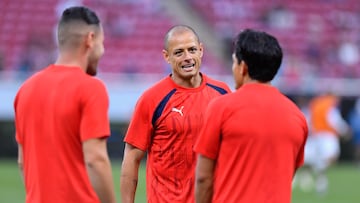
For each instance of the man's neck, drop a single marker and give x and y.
(71, 61)
(192, 82)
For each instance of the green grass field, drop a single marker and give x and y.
(12, 189)
(344, 185)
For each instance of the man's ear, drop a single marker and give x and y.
(201, 50)
(90, 38)
(244, 68)
(166, 55)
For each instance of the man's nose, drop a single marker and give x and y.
(187, 55)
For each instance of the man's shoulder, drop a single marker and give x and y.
(87, 79)
(90, 85)
(37, 76)
(217, 84)
(162, 87)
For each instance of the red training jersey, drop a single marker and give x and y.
(256, 137)
(166, 122)
(55, 111)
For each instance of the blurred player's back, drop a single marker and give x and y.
(49, 130)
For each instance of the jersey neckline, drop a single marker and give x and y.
(191, 89)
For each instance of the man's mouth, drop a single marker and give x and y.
(188, 67)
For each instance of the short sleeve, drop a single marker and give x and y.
(208, 143)
(94, 110)
(140, 128)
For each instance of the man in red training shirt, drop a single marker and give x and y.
(61, 118)
(167, 119)
(254, 138)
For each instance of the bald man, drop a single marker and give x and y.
(61, 118)
(166, 121)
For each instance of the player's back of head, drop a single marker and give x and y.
(261, 52)
(75, 23)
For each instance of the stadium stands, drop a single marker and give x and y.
(307, 30)
(21, 22)
(25, 24)
(320, 37)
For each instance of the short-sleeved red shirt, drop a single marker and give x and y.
(55, 111)
(166, 122)
(256, 136)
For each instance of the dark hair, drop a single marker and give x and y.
(261, 52)
(79, 13)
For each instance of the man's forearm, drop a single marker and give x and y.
(20, 162)
(129, 179)
(128, 187)
(21, 169)
(204, 191)
(204, 179)
(130, 173)
(100, 174)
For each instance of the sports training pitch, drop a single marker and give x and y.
(344, 185)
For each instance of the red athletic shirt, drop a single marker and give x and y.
(256, 137)
(55, 111)
(166, 122)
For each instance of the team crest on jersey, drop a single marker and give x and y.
(174, 109)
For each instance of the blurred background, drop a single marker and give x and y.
(320, 40)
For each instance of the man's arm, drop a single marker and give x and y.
(21, 162)
(337, 122)
(204, 179)
(130, 172)
(99, 169)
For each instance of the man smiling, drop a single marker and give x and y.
(167, 119)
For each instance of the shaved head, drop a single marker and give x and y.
(80, 39)
(72, 34)
(176, 30)
(75, 23)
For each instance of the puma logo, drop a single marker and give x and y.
(178, 110)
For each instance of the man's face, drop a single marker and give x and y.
(184, 55)
(97, 50)
(237, 70)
